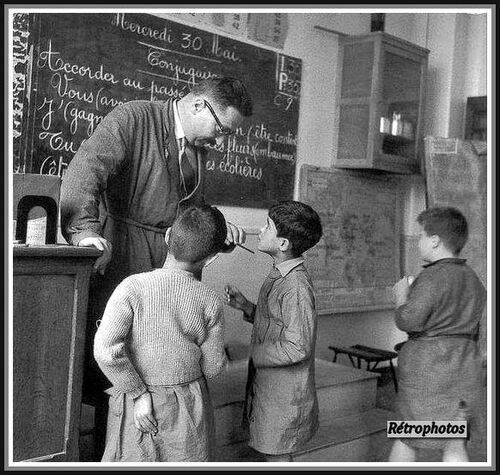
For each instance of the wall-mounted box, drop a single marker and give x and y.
(379, 113)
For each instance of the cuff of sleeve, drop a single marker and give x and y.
(135, 393)
(77, 237)
(251, 316)
(212, 372)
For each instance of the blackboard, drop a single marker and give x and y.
(356, 262)
(85, 64)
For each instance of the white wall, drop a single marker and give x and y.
(457, 69)
(477, 73)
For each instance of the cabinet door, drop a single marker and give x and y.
(399, 109)
(43, 306)
(353, 118)
(49, 310)
(379, 112)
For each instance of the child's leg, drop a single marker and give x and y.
(455, 451)
(278, 458)
(401, 452)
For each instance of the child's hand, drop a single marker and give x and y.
(144, 419)
(401, 289)
(235, 298)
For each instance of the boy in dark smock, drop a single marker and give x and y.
(439, 367)
(281, 407)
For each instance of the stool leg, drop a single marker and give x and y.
(334, 357)
(352, 361)
(393, 371)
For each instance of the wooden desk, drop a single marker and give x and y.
(50, 292)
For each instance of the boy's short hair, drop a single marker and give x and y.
(226, 91)
(197, 233)
(298, 223)
(447, 223)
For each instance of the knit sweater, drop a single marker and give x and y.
(160, 328)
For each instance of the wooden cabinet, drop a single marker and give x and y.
(379, 114)
(50, 292)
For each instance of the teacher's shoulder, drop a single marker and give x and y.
(137, 108)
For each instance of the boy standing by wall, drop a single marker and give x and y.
(281, 404)
(439, 366)
(160, 336)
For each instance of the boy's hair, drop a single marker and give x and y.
(298, 223)
(226, 91)
(197, 233)
(447, 223)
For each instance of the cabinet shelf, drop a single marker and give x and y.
(397, 139)
(381, 76)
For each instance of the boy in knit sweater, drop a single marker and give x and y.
(160, 336)
(281, 405)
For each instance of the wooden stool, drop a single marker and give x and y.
(368, 354)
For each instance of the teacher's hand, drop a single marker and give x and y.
(104, 246)
(235, 235)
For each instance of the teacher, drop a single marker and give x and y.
(127, 183)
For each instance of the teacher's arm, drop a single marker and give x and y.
(86, 179)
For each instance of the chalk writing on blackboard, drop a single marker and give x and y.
(356, 263)
(87, 64)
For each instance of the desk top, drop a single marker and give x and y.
(54, 250)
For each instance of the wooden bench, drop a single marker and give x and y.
(368, 354)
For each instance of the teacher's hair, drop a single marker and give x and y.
(226, 91)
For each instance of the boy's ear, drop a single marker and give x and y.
(285, 244)
(167, 235)
(435, 240)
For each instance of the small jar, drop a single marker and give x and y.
(397, 124)
(408, 130)
(385, 125)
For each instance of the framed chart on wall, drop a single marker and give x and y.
(356, 262)
(456, 175)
